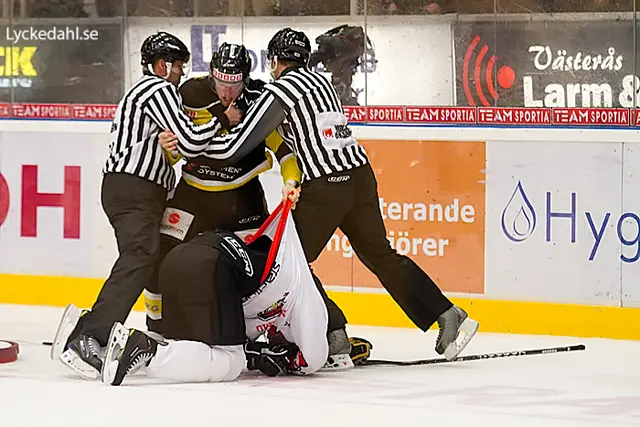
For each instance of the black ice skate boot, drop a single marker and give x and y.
(339, 352)
(82, 355)
(456, 331)
(128, 350)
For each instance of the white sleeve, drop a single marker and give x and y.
(165, 108)
(196, 362)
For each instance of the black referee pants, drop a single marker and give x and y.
(349, 201)
(134, 207)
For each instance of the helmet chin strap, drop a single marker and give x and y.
(272, 66)
(168, 66)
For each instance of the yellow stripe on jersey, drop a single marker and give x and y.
(216, 186)
(288, 164)
(289, 169)
(199, 116)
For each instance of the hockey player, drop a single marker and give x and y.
(216, 295)
(229, 198)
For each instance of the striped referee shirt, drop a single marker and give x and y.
(150, 106)
(305, 109)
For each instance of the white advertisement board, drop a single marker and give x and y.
(51, 221)
(552, 213)
(414, 61)
(562, 221)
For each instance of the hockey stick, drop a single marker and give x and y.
(514, 353)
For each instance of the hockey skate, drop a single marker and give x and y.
(339, 352)
(456, 331)
(82, 355)
(128, 350)
(68, 322)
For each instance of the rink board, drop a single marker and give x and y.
(531, 230)
(378, 309)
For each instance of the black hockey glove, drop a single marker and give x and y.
(360, 350)
(270, 359)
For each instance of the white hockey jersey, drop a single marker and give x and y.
(287, 298)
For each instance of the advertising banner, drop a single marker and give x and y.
(51, 220)
(556, 227)
(61, 64)
(543, 218)
(546, 64)
(432, 197)
(411, 63)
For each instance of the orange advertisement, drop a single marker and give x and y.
(432, 198)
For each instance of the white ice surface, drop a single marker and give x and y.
(596, 387)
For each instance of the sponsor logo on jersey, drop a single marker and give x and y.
(336, 132)
(275, 310)
(175, 223)
(239, 250)
(273, 273)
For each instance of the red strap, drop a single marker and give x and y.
(275, 244)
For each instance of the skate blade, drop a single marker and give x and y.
(68, 322)
(337, 362)
(466, 332)
(71, 360)
(115, 344)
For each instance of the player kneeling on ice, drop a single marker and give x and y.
(217, 292)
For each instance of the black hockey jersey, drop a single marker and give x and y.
(250, 261)
(201, 103)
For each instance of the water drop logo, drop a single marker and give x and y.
(518, 217)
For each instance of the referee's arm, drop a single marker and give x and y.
(263, 117)
(166, 110)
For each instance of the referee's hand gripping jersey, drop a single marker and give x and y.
(137, 176)
(229, 198)
(339, 190)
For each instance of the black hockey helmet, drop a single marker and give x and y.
(229, 69)
(230, 63)
(290, 45)
(162, 45)
(344, 46)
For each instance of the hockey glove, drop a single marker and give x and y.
(270, 359)
(360, 350)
